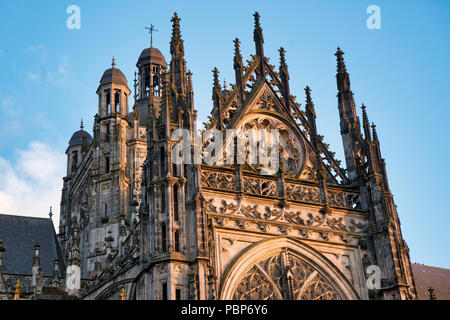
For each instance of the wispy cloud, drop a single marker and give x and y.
(62, 75)
(33, 76)
(32, 182)
(39, 51)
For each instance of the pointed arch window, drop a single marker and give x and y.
(106, 164)
(175, 202)
(108, 102)
(163, 237)
(117, 101)
(163, 199)
(161, 160)
(177, 241)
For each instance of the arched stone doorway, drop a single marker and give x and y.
(284, 268)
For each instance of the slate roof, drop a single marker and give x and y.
(78, 136)
(436, 278)
(19, 235)
(113, 75)
(155, 54)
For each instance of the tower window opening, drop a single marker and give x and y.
(108, 102)
(161, 158)
(174, 169)
(177, 294)
(74, 160)
(175, 202)
(106, 164)
(163, 199)
(163, 237)
(164, 291)
(117, 101)
(177, 241)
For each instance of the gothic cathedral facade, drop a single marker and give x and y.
(135, 222)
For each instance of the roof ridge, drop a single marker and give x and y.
(20, 216)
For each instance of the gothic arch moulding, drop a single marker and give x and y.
(284, 268)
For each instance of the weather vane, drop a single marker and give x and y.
(150, 30)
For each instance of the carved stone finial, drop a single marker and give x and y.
(113, 63)
(257, 23)
(366, 124)
(374, 132)
(216, 78)
(340, 61)
(282, 56)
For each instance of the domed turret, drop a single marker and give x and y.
(113, 75)
(80, 137)
(153, 53)
(113, 92)
(79, 144)
(150, 77)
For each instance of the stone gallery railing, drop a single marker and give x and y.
(270, 187)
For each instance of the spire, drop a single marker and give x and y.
(36, 258)
(321, 173)
(366, 124)
(176, 43)
(349, 122)
(135, 86)
(259, 40)
(81, 127)
(284, 75)
(189, 80)
(177, 64)
(113, 63)
(238, 70)
(311, 115)
(309, 104)
(216, 82)
(342, 76)
(283, 65)
(257, 33)
(374, 132)
(237, 54)
(341, 64)
(36, 271)
(55, 279)
(217, 98)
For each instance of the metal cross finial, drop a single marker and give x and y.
(150, 30)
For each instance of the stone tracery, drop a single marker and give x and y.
(284, 276)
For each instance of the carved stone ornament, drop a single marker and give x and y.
(291, 149)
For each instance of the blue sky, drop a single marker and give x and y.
(49, 75)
